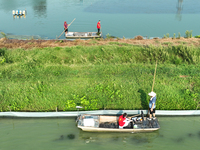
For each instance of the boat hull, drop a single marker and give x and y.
(91, 129)
(100, 123)
(82, 35)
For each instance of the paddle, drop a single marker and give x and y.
(67, 27)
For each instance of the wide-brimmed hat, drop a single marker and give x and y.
(152, 94)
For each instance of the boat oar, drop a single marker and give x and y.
(67, 27)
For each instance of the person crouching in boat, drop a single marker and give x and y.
(152, 105)
(65, 27)
(123, 121)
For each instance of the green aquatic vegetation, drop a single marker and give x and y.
(188, 34)
(174, 35)
(179, 35)
(166, 36)
(4, 35)
(108, 36)
(197, 36)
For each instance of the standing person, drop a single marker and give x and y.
(65, 27)
(98, 26)
(123, 121)
(152, 105)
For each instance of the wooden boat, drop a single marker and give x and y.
(82, 35)
(103, 123)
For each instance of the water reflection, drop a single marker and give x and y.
(133, 7)
(179, 10)
(7, 6)
(40, 8)
(19, 16)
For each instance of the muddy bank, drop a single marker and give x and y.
(28, 44)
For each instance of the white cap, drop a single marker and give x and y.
(152, 94)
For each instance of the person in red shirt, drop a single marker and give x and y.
(65, 27)
(98, 26)
(123, 121)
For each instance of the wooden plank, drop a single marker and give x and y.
(108, 119)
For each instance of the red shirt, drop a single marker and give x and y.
(98, 25)
(65, 25)
(121, 120)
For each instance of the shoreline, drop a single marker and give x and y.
(176, 113)
(39, 43)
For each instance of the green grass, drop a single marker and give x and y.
(167, 43)
(99, 77)
(182, 42)
(157, 41)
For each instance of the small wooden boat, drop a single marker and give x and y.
(103, 123)
(82, 35)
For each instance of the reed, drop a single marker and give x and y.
(188, 34)
(4, 35)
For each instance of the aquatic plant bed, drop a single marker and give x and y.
(99, 77)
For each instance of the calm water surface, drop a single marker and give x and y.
(176, 133)
(120, 18)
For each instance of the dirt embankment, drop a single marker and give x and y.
(28, 44)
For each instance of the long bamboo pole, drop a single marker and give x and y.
(153, 81)
(67, 27)
(154, 76)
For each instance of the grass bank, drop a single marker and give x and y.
(114, 76)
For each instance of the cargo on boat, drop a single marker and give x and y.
(103, 123)
(82, 35)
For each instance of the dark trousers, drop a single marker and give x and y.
(98, 30)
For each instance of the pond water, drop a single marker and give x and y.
(127, 18)
(61, 133)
